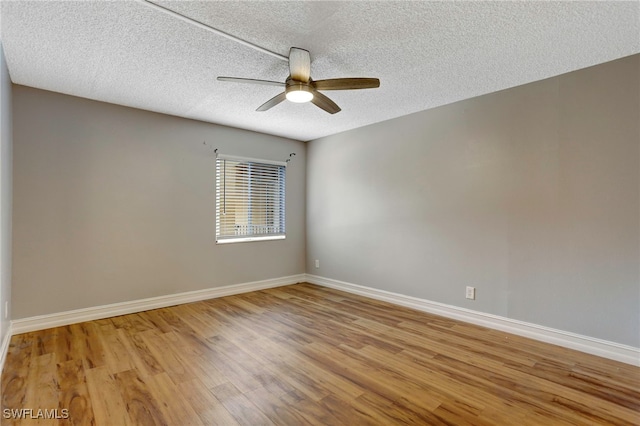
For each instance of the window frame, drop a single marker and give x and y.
(280, 199)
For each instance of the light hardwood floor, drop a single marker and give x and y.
(304, 354)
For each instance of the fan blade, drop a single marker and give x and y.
(272, 102)
(299, 64)
(252, 81)
(346, 83)
(325, 103)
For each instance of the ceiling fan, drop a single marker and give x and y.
(299, 87)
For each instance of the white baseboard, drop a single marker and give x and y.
(603, 348)
(4, 347)
(41, 322)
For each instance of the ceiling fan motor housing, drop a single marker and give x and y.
(298, 91)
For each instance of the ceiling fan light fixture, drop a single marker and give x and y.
(299, 87)
(298, 92)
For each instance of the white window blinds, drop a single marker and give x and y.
(250, 199)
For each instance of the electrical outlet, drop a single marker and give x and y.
(317, 263)
(471, 293)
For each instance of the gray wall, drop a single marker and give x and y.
(114, 204)
(5, 194)
(530, 194)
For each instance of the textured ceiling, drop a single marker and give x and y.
(425, 54)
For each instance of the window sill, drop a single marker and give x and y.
(250, 239)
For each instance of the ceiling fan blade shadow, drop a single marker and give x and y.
(321, 101)
(251, 81)
(346, 84)
(272, 102)
(299, 64)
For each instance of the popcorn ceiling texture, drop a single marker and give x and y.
(426, 54)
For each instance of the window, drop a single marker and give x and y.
(249, 199)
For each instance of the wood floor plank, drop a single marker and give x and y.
(346, 412)
(146, 363)
(385, 383)
(166, 355)
(303, 374)
(312, 411)
(132, 323)
(304, 354)
(118, 352)
(173, 405)
(16, 370)
(42, 387)
(205, 370)
(235, 364)
(240, 407)
(296, 369)
(201, 325)
(278, 411)
(154, 318)
(108, 405)
(142, 407)
(65, 346)
(205, 404)
(73, 395)
(86, 344)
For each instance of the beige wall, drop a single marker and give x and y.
(530, 194)
(114, 204)
(5, 195)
